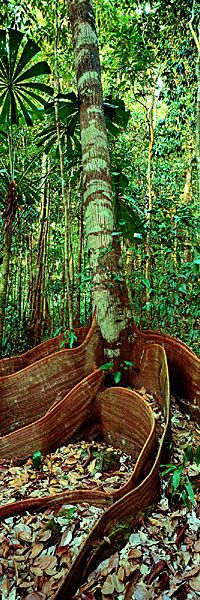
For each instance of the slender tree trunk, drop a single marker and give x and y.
(109, 292)
(198, 122)
(9, 215)
(65, 197)
(196, 36)
(78, 296)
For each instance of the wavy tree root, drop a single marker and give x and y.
(63, 397)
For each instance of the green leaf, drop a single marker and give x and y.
(47, 89)
(185, 498)
(189, 489)
(37, 459)
(197, 455)
(5, 109)
(170, 469)
(71, 338)
(176, 478)
(24, 112)
(41, 68)
(117, 376)
(62, 344)
(15, 39)
(107, 366)
(30, 50)
(188, 456)
(129, 363)
(16, 91)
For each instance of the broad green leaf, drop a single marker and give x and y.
(129, 363)
(188, 456)
(30, 50)
(117, 376)
(42, 87)
(197, 455)
(5, 110)
(37, 459)
(176, 478)
(185, 498)
(32, 95)
(190, 490)
(15, 39)
(24, 112)
(107, 366)
(13, 108)
(41, 68)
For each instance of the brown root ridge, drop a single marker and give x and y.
(61, 397)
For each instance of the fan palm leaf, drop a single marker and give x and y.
(18, 91)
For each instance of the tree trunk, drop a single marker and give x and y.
(78, 296)
(196, 37)
(109, 293)
(65, 194)
(9, 215)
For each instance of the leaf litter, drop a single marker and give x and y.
(161, 559)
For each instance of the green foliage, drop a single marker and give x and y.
(178, 476)
(37, 459)
(19, 90)
(68, 337)
(107, 366)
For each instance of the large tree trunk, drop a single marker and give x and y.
(109, 293)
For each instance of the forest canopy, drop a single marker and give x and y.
(149, 57)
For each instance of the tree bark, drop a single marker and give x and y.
(9, 215)
(109, 292)
(65, 194)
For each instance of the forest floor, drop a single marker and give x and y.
(162, 556)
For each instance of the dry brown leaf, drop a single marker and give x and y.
(36, 571)
(134, 553)
(121, 573)
(197, 546)
(36, 596)
(5, 586)
(108, 586)
(25, 584)
(46, 562)
(194, 583)
(118, 585)
(26, 536)
(45, 535)
(36, 549)
(192, 572)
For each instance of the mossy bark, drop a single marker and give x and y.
(109, 293)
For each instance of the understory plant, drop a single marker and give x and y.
(178, 476)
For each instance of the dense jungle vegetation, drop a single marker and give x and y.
(149, 54)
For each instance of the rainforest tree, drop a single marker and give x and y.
(109, 293)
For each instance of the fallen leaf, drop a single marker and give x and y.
(88, 596)
(36, 549)
(45, 562)
(108, 587)
(197, 546)
(194, 583)
(45, 535)
(66, 538)
(35, 596)
(134, 553)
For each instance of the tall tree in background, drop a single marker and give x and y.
(109, 293)
(194, 25)
(20, 95)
